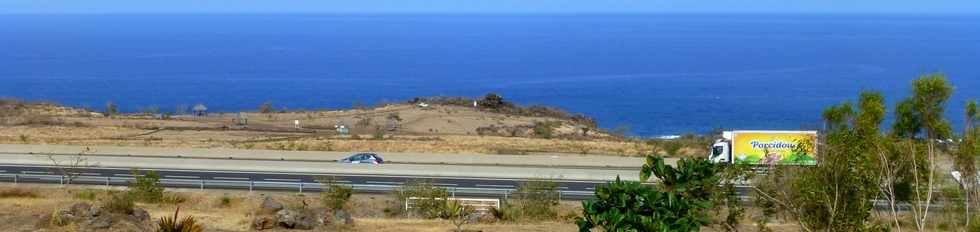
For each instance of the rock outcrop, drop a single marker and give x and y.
(90, 217)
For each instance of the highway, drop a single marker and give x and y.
(285, 181)
(491, 176)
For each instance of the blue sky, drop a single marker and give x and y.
(490, 6)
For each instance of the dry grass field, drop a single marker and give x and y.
(28, 209)
(392, 128)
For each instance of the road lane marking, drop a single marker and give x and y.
(289, 180)
(126, 175)
(335, 174)
(590, 188)
(338, 174)
(231, 178)
(562, 187)
(444, 184)
(184, 177)
(384, 182)
(90, 174)
(34, 172)
(495, 186)
(2, 171)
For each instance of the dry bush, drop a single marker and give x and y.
(18, 193)
(119, 203)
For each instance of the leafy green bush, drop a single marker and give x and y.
(679, 203)
(545, 129)
(974, 227)
(672, 147)
(427, 200)
(336, 196)
(456, 212)
(146, 187)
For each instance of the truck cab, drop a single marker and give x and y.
(721, 150)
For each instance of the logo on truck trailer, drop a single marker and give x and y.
(767, 148)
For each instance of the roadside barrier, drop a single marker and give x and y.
(253, 185)
(478, 204)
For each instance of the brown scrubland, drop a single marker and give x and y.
(31, 207)
(445, 125)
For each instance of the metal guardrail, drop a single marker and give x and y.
(480, 205)
(252, 185)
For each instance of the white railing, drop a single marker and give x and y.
(478, 204)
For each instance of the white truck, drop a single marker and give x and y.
(762, 147)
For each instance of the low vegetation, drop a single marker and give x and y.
(18, 193)
(146, 188)
(176, 224)
(680, 202)
(458, 213)
(533, 200)
(858, 163)
(425, 200)
(119, 203)
(335, 196)
(449, 125)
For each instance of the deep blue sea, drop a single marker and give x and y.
(657, 74)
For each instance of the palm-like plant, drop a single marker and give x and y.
(170, 224)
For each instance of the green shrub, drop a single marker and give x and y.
(672, 147)
(545, 129)
(534, 200)
(679, 203)
(502, 150)
(172, 199)
(364, 122)
(265, 107)
(119, 203)
(428, 201)
(86, 194)
(225, 201)
(497, 213)
(336, 196)
(379, 133)
(457, 213)
(974, 227)
(146, 187)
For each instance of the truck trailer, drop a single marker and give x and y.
(762, 147)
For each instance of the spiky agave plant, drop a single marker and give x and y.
(170, 224)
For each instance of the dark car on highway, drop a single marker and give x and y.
(362, 158)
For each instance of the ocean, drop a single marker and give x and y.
(655, 74)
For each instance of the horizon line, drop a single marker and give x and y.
(395, 13)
